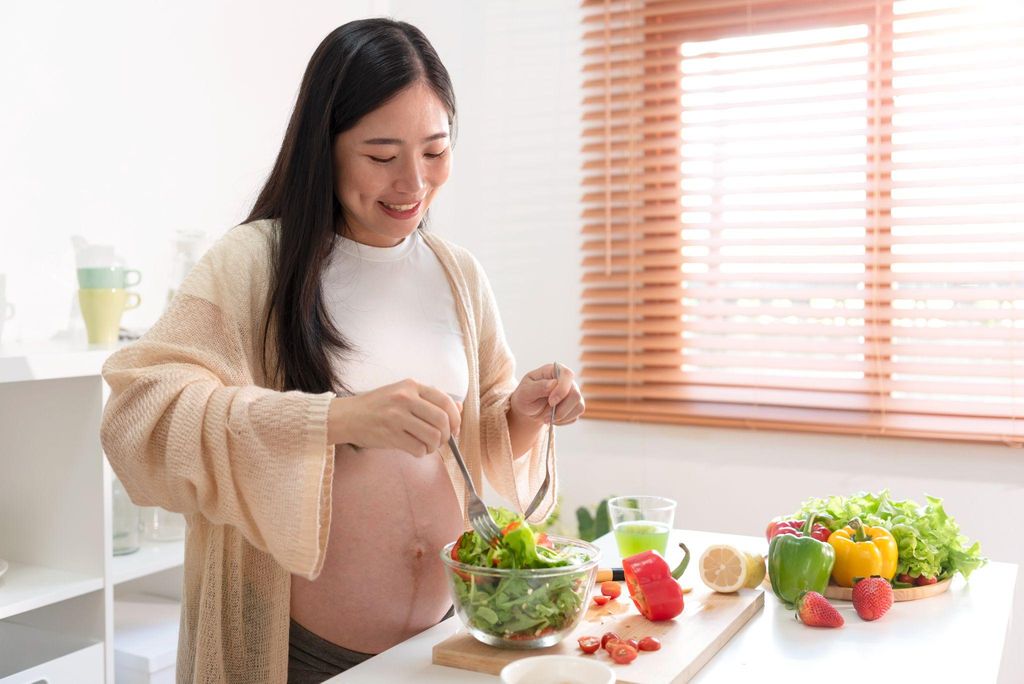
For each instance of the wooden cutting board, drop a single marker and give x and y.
(689, 641)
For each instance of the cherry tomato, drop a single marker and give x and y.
(634, 643)
(600, 600)
(544, 540)
(611, 589)
(649, 643)
(623, 654)
(455, 557)
(607, 637)
(589, 644)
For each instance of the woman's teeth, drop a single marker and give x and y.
(399, 207)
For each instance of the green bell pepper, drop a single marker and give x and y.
(797, 564)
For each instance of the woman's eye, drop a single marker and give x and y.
(437, 155)
(380, 160)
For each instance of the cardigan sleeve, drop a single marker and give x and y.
(187, 429)
(515, 479)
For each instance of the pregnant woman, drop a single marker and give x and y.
(296, 398)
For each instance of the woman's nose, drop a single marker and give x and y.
(410, 178)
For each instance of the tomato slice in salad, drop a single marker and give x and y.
(455, 556)
(511, 526)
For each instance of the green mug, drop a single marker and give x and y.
(102, 309)
(108, 277)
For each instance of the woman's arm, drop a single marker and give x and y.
(522, 432)
(188, 427)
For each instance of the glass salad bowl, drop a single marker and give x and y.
(523, 608)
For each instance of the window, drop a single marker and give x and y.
(806, 215)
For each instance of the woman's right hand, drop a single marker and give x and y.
(407, 415)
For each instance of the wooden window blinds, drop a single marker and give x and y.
(805, 215)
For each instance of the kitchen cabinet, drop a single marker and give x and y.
(62, 581)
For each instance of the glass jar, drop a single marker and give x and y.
(187, 251)
(163, 525)
(127, 522)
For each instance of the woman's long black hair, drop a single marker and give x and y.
(357, 68)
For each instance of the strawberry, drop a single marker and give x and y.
(872, 597)
(905, 579)
(814, 610)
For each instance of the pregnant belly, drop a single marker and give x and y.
(382, 580)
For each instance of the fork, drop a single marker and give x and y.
(548, 458)
(479, 517)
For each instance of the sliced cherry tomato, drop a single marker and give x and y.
(623, 653)
(589, 644)
(611, 589)
(608, 636)
(634, 643)
(600, 600)
(511, 526)
(544, 540)
(649, 643)
(455, 557)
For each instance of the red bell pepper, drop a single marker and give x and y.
(795, 527)
(652, 584)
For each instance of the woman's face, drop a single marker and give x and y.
(388, 167)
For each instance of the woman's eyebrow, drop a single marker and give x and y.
(396, 141)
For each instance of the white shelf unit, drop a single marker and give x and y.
(56, 521)
(152, 558)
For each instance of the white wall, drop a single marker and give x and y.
(125, 121)
(513, 201)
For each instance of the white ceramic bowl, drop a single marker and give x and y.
(557, 669)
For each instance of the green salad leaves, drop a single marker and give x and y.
(517, 605)
(930, 542)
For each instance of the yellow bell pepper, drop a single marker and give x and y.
(862, 552)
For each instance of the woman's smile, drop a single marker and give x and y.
(402, 212)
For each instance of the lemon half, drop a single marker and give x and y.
(726, 569)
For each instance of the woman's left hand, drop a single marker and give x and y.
(538, 391)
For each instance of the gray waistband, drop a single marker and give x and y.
(312, 659)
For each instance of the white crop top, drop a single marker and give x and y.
(395, 306)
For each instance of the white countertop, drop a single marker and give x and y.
(957, 636)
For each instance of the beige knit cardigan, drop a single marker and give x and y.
(193, 425)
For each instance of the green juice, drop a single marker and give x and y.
(634, 537)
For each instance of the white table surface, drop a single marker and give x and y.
(957, 636)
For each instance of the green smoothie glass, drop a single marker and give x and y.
(641, 523)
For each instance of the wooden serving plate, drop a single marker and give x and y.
(834, 591)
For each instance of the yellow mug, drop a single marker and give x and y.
(102, 309)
